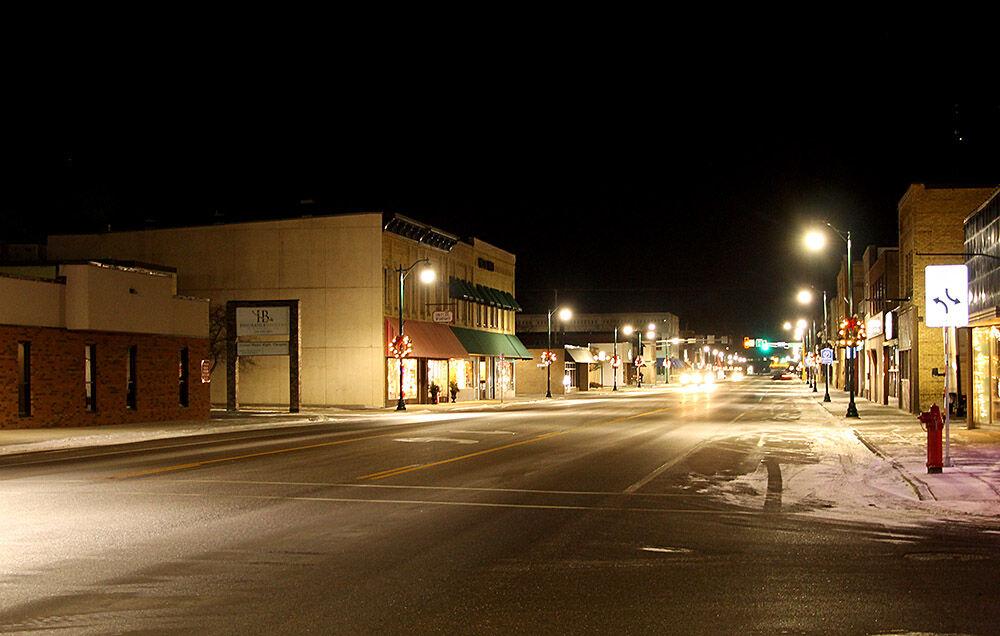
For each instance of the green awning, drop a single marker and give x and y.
(485, 343)
(474, 292)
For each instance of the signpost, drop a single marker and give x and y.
(946, 294)
(250, 319)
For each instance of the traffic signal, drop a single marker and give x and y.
(748, 342)
(765, 347)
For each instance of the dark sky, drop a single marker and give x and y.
(655, 186)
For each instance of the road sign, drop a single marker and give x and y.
(826, 356)
(946, 290)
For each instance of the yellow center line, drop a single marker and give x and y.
(176, 467)
(392, 472)
(406, 469)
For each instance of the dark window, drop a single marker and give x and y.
(90, 375)
(487, 265)
(130, 395)
(182, 376)
(24, 379)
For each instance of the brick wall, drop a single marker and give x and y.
(57, 378)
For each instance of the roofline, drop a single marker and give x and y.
(982, 206)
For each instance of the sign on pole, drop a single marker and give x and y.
(826, 356)
(946, 293)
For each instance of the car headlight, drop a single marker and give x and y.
(685, 378)
(709, 378)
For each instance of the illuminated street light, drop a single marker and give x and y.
(627, 330)
(651, 327)
(564, 315)
(787, 326)
(804, 296)
(815, 240)
(427, 276)
(801, 324)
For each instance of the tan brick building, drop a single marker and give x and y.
(97, 344)
(930, 233)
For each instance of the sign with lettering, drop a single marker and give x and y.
(444, 316)
(946, 289)
(262, 348)
(206, 371)
(262, 321)
(874, 325)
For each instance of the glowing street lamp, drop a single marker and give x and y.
(815, 240)
(787, 326)
(564, 314)
(804, 296)
(400, 344)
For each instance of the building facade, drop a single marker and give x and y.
(343, 271)
(93, 344)
(982, 250)
(881, 296)
(930, 233)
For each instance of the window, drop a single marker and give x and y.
(130, 395)
(182, 377)
(90, 376)
(24, 379)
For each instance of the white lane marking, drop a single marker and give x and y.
(419, 502)
(484, 432)
(663, 468)
(668, 550)
(426, 440)
(411, 487)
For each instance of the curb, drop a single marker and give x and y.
(922, 492)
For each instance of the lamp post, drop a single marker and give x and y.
(815, 241)
(564, 315)
(427, 276)
(614, 360)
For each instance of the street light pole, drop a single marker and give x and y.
(852, 408)
(548, 361)
(614, 371)
(400, 404)
(826, 367)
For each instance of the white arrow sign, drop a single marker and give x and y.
(946, 294)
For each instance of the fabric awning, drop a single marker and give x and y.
(581, 355)
(429, 340)
(486, 343)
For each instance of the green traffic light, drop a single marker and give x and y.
(765, 347)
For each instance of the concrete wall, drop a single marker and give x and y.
(331, 264)
(39, 303)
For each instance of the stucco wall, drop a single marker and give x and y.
(39, 303)
(331, 264)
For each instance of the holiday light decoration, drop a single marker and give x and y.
(400, 347)
(548, 357)
(616, 361)
(852, 332)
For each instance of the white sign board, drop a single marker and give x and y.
(262, 321)
(874, 326)
(444, 316)
(262, 348)
(826, 356)
(946, 293)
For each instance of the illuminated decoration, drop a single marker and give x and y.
(400, 347)
(548, 357)
(852, 332)
(616, 361)
(638, 361)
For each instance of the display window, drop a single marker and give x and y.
(409, 378)
(437, 373)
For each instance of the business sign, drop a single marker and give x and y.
(262, 321)
(946, 290)
(262, 348)
(206, 371)
(447, 317)
(890, 325)
(873, 327)
(826, 356)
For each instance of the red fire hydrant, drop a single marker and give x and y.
(932, 423)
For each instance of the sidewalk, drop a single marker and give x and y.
(972, 484)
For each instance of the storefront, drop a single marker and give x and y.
(890, 357)
(875, 363)
(437, 361)
(493, 356)
(577, 368)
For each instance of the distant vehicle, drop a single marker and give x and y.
(782, 375)
(697, 377)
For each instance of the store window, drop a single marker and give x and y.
(182, 377)
(437, 373)
(409, 378)
(981, 394)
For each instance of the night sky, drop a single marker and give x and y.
(644, 189)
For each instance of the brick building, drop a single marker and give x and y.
(880, 380)
(96, 344)
(930, 233)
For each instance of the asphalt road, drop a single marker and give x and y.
(593, 515)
